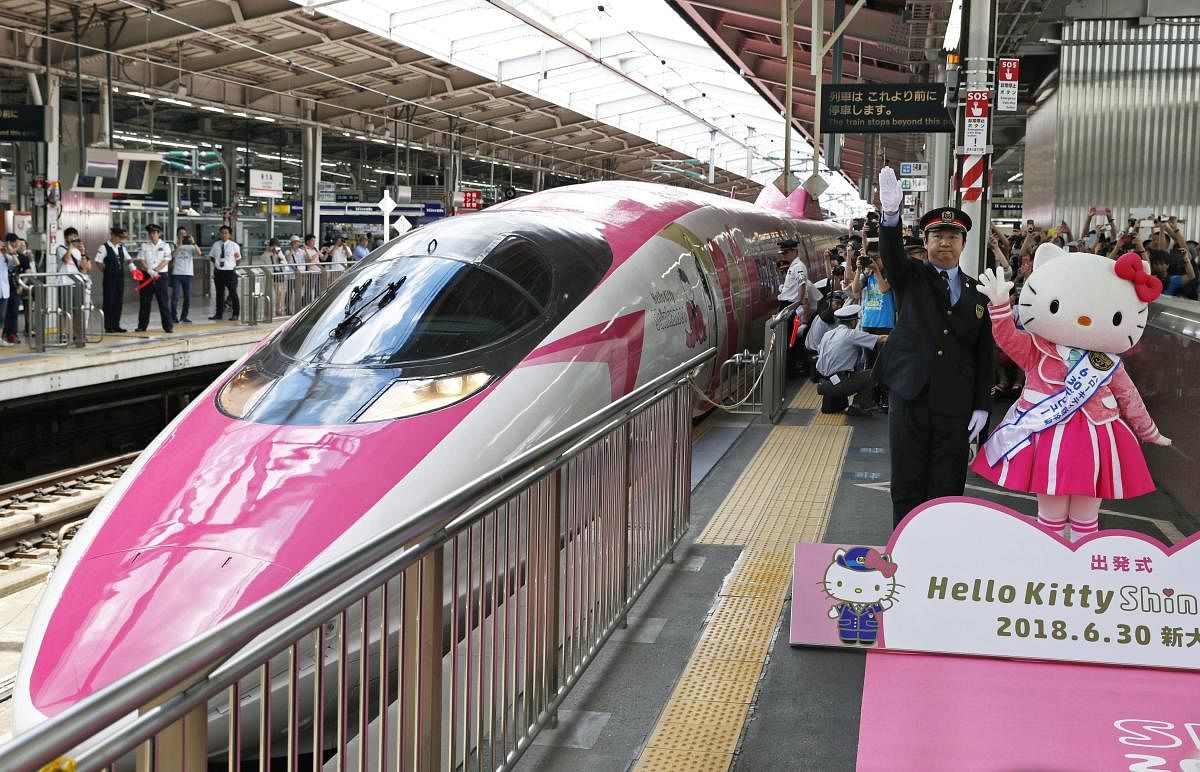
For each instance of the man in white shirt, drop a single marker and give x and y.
(226, 254)
(112, 257)
(152, 261)
(840, 362)
(183, 268)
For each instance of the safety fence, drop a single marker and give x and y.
(279, 290)
(59, 311)
(754, 382)
(446, 643)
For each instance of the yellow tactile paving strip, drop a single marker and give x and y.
(807, 398)
(782, 497)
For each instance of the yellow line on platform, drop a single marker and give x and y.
(807, 398)
(783, 496)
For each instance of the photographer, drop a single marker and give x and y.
(183, 259)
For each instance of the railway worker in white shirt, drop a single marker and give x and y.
(840, 361)
(226, 254)
(153, 259)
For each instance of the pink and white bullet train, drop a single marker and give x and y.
(439, 356)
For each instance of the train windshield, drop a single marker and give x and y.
(418, 308)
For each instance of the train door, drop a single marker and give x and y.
(703, 304)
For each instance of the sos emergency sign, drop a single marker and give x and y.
(976, 128)
(1008, 74)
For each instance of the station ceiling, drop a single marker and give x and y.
(259, 58)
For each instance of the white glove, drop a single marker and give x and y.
(1164, 441)
(889, 191)
(978, 419)
(994, 286)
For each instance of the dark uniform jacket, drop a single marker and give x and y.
(947, 349)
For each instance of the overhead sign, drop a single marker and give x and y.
(917, 184)
(878, 108)
(975, 129)
(22, 123)
(914, 169)
(980, 579)
(1008, 75)
(264, 184)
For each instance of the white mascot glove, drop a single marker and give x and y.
(889, 191)
(978, 419)
(994, 286)
(1164, 441)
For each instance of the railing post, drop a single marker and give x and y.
(554, 546)
(182, 746)
(79, 329)
(627, 525)
(428, 579)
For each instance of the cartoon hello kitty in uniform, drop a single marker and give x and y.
(862, 582)
(1072, 437)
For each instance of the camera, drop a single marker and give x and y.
(873, 229)
(856, 224)
(187, 239)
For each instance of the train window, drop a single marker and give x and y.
(414, 309)
(520, 261)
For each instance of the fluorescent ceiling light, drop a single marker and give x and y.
(264, 119)
(139, 94)
(241, 115)
(212, 109)
(953, 27)
(174, 101)
(380, 141)
(1016, 177)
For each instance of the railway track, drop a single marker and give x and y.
(38, 515)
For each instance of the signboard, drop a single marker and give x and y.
(472, 199)
(917, 184)
(22, 123)
(1007, 205)
(878, 108)
(983, 580)
(914, 169)
(434, 209)
(975, 129)
(264, 184)
(1008, 74)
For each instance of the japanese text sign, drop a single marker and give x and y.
(975, 128)
(962, 576)
(877, 108)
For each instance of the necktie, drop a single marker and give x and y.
(946, 282)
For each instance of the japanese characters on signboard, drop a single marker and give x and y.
(913, 169)
(975, 128)
(963, 576)
(472, 199)
(876, 108)
(917, 184)
(1008, 74)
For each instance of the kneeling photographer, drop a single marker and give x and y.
(840, 361)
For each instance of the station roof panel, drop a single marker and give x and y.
(636, 65)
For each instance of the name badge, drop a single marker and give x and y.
(978, 312)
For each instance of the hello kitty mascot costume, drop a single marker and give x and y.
(1072, 436)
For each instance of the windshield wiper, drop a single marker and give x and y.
(353, 319)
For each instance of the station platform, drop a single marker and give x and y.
(127, 356)
(704, 678)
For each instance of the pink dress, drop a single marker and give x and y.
(1095, 452)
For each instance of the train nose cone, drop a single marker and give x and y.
(128, 608)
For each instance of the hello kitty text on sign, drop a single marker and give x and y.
(964, 576)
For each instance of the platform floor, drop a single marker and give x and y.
(704, 677)
(121, 356)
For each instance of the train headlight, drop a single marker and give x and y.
(405, 398)
(244, 391)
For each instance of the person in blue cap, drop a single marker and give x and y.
(862, 582)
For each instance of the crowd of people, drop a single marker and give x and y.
(162, 272)
(857, 296)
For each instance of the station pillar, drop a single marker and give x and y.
(310, 172)
(978, 70)
(937, 155)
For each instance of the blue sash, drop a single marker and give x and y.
(1082, 382)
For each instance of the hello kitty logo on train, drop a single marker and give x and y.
(862, 582)
(1072, 436)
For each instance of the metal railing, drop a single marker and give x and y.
(740, 387)
(59, 311)
(776, 335)
(446, 643)
(274, 291)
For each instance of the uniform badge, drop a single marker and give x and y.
(978, 312)
(947, 215)
(1100, 361)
